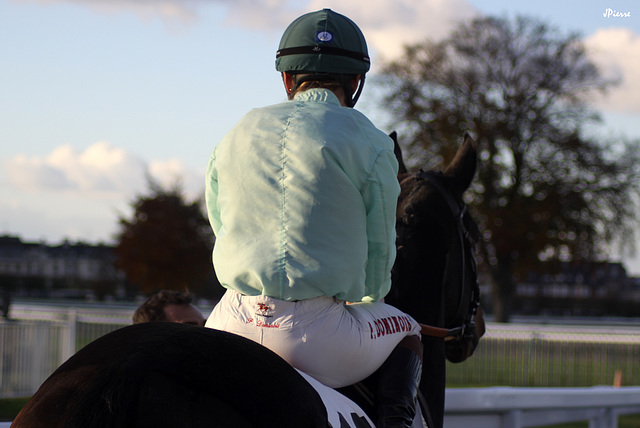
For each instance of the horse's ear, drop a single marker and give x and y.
(402, 169)
(463, 167)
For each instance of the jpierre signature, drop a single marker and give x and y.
(610, 13)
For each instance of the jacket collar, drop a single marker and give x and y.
(317, 94)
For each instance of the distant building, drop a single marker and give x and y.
(84, 271)
(69, 270)
(585, 289)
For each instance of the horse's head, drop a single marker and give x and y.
(435, 277)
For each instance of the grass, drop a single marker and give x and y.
(518, 363)
(537, 363)
(10, 407)
(625, 421)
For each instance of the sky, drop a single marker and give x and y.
(96, 94)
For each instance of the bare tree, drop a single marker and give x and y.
(546, 189)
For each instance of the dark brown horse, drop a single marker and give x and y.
(168, 375)
(435, 277)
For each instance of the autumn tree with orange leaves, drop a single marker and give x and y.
(167, 243)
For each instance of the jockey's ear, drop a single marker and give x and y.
(288, 82)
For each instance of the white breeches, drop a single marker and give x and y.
(336, 343)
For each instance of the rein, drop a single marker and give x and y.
(458, 210)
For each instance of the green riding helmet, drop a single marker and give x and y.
(323, 43)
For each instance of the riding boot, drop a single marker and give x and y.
(397, 391)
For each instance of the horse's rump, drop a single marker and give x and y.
(170, 374)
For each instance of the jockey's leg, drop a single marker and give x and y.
(335, 343)
(398, 382)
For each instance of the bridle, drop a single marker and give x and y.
(467, 267)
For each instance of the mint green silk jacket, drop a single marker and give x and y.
(302, 197)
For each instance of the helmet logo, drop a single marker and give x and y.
(324, 36)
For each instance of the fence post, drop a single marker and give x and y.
(607, 418)
(70, 346)
(512, 419)
(3, 327)
(37, 357)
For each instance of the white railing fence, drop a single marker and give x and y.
(41, 339)
(536, 355)
(29, 353)
(534, 407)
(505, 407)
(37, 341)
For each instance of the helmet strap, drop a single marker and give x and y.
(358, 92)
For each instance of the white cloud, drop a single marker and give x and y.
(33, 173)
(54, 216)
(184, 11)
(264, 15)
(617, 53)
(389, 25)
(79, 194)
(101, 171)
(170, 171)
(252, 14)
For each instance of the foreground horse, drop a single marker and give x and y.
(171, 375)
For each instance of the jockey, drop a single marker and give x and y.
(302, 197)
